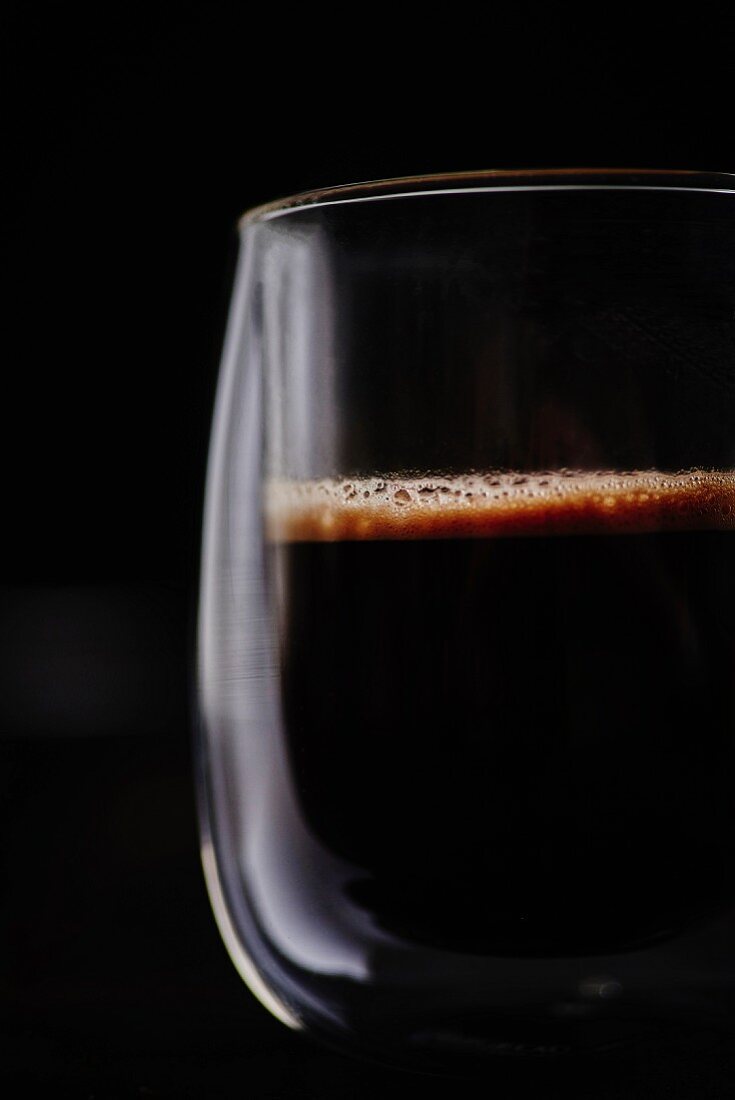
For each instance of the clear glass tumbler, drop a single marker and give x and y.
(466, 648)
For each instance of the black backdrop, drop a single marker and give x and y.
(133, 137)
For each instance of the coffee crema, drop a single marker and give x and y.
(493, 505)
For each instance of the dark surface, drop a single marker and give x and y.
(114, 981)
(132, 139)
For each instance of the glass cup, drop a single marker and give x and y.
(466, 653)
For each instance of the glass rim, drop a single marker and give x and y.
(523, 179)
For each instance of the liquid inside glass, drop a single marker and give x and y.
(507, 705)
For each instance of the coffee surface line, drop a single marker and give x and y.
(497, 504)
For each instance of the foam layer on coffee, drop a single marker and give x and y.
(487, 505)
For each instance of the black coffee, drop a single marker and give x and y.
(509, 703)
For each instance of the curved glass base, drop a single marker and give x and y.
(441, 1012)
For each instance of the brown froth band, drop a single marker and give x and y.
(495, 505)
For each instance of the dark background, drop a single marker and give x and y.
(132, 139)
